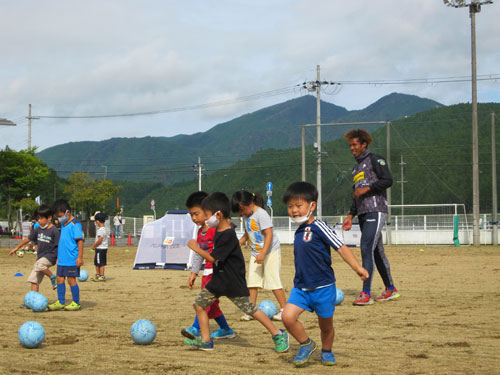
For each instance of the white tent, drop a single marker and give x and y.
(163, 242)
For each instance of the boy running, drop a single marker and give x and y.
(69, 256)
(228, 278)
(314, 282)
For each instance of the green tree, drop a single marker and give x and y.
(28, 205)
(89, 195)
(21, 172)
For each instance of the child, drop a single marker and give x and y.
(69, 256)
(314, 282)
(205, 242)
(46, 236)
(100, 246)
(265, 261)
(228, 278)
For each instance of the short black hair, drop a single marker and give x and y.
(245, 198)
(301, 189)
(61, 205)
(100, 217)
(44, 210)
(217, 202)
(195, 199)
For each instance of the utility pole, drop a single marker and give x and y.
(105, 171)
(494, 219)
(388, 192)
(402, 164)
(199, 171)
(29, 125)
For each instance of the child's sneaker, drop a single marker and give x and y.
(246, 317)
(56, 306)
(363, 299)
(278, 315)
(102, 278)
(305, 352)
(73, 306)
(328, 359)
(190, 332)
(281, 342)
(96, 277)
(387, 295)
(198, 343)
(222, 333)
(53, 280)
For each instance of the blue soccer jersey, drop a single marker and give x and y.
(67, 251)
(313, 261)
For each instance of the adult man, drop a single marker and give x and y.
(371, 178)
(117, 222)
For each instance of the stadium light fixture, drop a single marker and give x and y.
(474, 7)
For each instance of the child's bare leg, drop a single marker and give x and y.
(327, 332)
(97, 270)
(203, 321)
(47, 272)
(60, 279)
(265, 321)
(101, 270)
(71, 280)
(279, 294)
(290, 317)
(34, 287)
(253, 295)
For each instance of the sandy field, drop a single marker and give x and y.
(447, 321)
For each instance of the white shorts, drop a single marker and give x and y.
(266, 275)
(37, 274)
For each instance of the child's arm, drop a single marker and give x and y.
(79, 260)
(192, 279)
(268, 240)
(348, 257)
(97, 243)
(24, 241)
(193, 245)
(244, 239)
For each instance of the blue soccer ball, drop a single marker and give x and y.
(84, 275)
(27, 298)
(143, 332)
(38, 302)
(340, 297)
(269, 308)
(31, 335)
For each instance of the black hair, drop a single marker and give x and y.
(100, 217)
(27, 217)
(301, 189)
(217, 202)
(61, 205)
(245, 198)
(44, 210)
(195, 199)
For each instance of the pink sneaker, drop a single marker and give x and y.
(387, 295)
(363, 299)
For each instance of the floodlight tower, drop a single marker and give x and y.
(474, 7)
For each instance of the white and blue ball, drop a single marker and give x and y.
(84, 275)
(340, 297)
(28, 297)
(143, 332)
(269, 308)
(38, 302)
(31, 335)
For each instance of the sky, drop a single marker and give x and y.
(94, 57)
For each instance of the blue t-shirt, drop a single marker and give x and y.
(313, 261)
(68, 243)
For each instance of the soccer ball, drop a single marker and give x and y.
(340, 297)
(20, 254)
(269, 308)
(28, 298)
(84, 275)
(38, 302)
(31, 334)
(143, 332)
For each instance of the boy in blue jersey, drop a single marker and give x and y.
(69, 256)
(314, 282)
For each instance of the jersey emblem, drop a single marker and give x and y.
(359, 176)
(307, 234)
(381, 161)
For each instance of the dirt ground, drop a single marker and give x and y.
(447, 321)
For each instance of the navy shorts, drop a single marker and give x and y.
(68, 271)
(321, 301)
(100, 257)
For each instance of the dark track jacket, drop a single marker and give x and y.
(370, 170)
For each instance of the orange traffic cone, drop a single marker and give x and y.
(129, 242)
(113, 243)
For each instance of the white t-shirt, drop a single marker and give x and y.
(101, 232)
(254, 226)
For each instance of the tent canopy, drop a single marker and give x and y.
(163, 242)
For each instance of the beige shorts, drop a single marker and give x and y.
(266, 275)
(36, 276)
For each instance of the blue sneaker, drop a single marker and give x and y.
(190, 332)
(328, 358)
(198, 343)
(222, 333)
(304, 353)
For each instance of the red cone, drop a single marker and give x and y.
(129, 242)
(113, 243)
